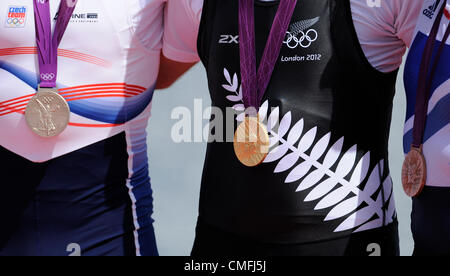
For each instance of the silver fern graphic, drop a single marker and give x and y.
(303, 25)
(361, 207)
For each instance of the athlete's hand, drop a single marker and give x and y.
(170, 71)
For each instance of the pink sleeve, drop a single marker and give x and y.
(406, 21)
(148, 23)
(181, 24)
(385, 29)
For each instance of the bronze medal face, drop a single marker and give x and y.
(414, 173)
(251, 142)
(47, 113)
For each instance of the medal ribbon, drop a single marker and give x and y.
(426, 78)
(255, 83)
(47, 45)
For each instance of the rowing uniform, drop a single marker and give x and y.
(86, 191)
(325, 186)
(431, 209)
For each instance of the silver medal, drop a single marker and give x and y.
(47, 113)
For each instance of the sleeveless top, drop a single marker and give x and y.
(326, 175)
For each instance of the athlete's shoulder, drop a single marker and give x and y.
(182, 21)
(391, 15)
(190, 8)
(429, 12)
(393, 8)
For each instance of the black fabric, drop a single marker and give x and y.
(213, 242)
(342, 94)
(79, 198)
(430, 221)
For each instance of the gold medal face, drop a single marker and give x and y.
(414, 173)
(47, 114)
(251, 142)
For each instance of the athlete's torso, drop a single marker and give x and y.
(104, 72)
(81, 203)
(437, 132)
(91, 185)
(334, 110)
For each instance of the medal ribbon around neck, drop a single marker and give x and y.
(251, 141)
(47, 45)
(414, 171)
(255, 83)
(47, 113)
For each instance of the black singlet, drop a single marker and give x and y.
(324, 82)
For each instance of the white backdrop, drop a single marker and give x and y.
(176, 169)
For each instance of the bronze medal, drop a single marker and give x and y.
(414, 172)
(251, 142)
(47, 113)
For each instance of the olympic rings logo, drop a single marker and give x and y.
(15, 21)
(47, 76)
(301, 39)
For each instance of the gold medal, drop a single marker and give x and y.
(251, 142)
(414, 172)
(47, 113)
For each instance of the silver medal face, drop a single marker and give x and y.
(47, 114)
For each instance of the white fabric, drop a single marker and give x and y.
(168, 24)
(180, 40)
(115, 52)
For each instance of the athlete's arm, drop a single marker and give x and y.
(179, 51)
(170, 71)
(385, 29)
